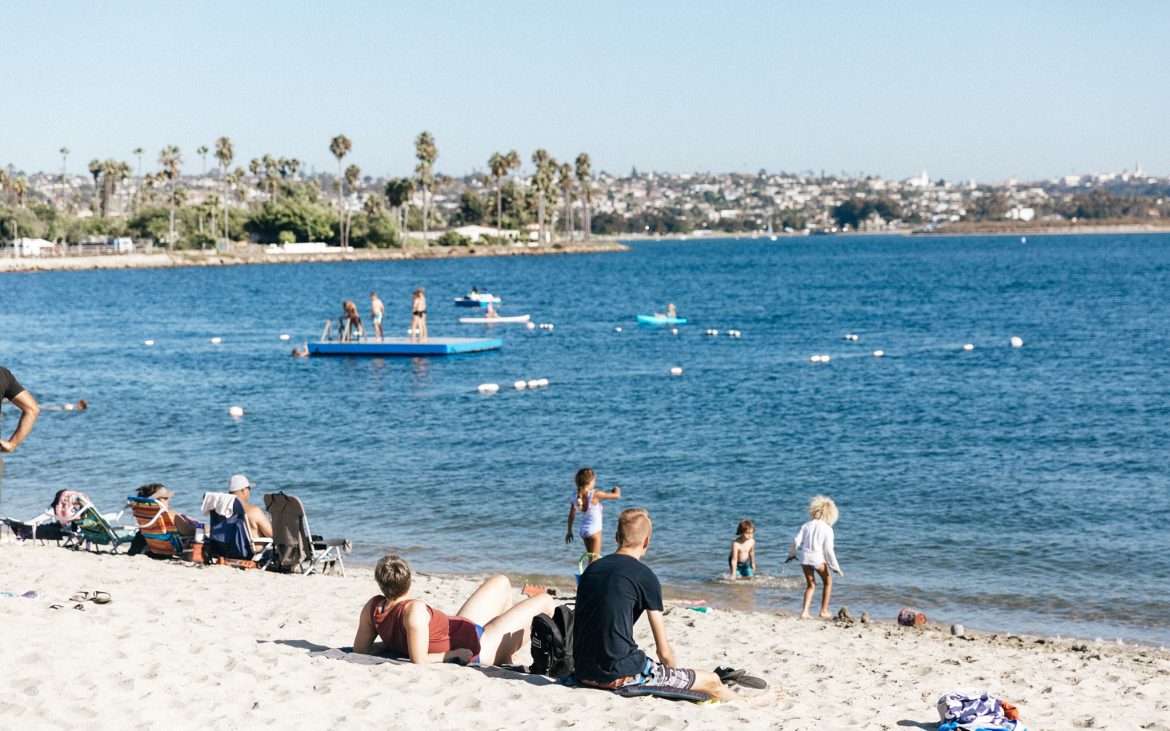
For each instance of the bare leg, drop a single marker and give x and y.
(505, 635)
(708, 682)
(490, 600)
(827, 580)
(414, 328)
(423, 327)
(810, 586)
(593, 545)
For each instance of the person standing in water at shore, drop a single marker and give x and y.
(376, 311)
(814, 541)
(587, 501)
(742, 559)
(418, 316)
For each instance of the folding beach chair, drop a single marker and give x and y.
(157, 527)
(294, 547)
(93, 529)
(228, 536)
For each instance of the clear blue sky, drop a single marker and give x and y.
(985, 90)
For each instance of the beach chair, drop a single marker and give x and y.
(228, 537)
(93, 529)
(294, 547)
(157, 527)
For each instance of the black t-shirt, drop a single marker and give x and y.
(10, 388)
(613, 593)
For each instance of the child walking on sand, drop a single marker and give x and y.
(742, 559)
(814, 541)
(587, 501)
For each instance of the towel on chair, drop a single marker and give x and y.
(221, 502)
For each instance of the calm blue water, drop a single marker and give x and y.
(1021, 489)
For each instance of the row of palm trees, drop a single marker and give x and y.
(552, 181)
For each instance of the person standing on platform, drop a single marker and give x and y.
(418, 316)
(376, 311)
(19, 397)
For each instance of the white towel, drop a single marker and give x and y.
(221, 502)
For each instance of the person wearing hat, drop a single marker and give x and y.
(258, 523)
(157, 491)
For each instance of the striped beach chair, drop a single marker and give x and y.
(157, 527)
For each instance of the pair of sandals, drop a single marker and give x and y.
(733, 677)
(97, 597)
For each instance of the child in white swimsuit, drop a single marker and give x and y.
(587, 501)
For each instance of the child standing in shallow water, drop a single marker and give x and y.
(587, 501)
(742, 559)
(814, 542)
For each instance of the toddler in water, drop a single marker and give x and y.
(742, 559)
(814, 541)
(587, 501)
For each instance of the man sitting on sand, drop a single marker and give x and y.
(612, 594)
(259, 526)
(487, 630)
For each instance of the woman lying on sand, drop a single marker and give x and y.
(487, 630)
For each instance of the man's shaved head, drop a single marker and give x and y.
(633, 528)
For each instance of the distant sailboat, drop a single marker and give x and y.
(771, 234)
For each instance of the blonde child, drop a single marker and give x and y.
(814, 541)
(587, 501)
(742, 559)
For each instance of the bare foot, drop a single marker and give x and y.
(805, 616)
(825, 615)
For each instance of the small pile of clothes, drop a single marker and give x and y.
(971, 709)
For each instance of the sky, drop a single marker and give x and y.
(975, 90)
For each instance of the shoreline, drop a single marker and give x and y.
(185, 258)
(1062, 230)
(170, 624)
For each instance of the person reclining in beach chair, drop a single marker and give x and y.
(258, 523)
(229, 535)
(613, 593)
(294, 547)
(166, 532)
(488, 630)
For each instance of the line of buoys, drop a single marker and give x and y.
(488, 387)
(546, 326)
(216, 341)
(520, 385)
(235, 411)
(734, 333)
(852, 338)
(148, 343)
(713, 333)
(1017, 342)
(676, 371)
(819, 359)
(284, 336)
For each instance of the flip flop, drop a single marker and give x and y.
(81, 596)
(79, 607)
(731, 676)
(101, 597)
(56, 606)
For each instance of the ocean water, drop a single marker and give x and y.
(1020, 489)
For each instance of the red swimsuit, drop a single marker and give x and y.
(446, 633)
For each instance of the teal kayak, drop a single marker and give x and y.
(661, 320)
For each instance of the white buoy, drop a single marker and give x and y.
(284, 336)
(714, 333)
(217, 341)
(676, 371)
(617, 329)
(520, 385)
(543, 382)
(968, 346)
(1017, 342)
(534, 383)
(488, 387)
(235, 411)
(69, 407)
(550, 326)
(148, 343)
(878, 353)
(825, 359)
(674, 331)
(814, 359)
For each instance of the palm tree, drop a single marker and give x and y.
(95, 169)
(224, 152)
(584, 177)
(138, 152)
(170, 159)
(398, 192)
(340, 147)
(202, 152)
(352, 174)
(64, 158)
(565, 183)
(426, 152)
(541, 181)
(20, 189)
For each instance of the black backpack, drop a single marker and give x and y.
(552, 643)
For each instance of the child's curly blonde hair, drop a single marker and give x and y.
(823, 508)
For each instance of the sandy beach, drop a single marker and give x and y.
(185, 646)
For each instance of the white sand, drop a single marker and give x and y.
(186, 647)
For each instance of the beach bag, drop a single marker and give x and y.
(552, 643)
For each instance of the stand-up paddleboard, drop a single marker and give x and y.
(490, 320)
(661, 320)
(405, 346)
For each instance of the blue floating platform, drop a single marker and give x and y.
(661, 320)
(405, 346)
